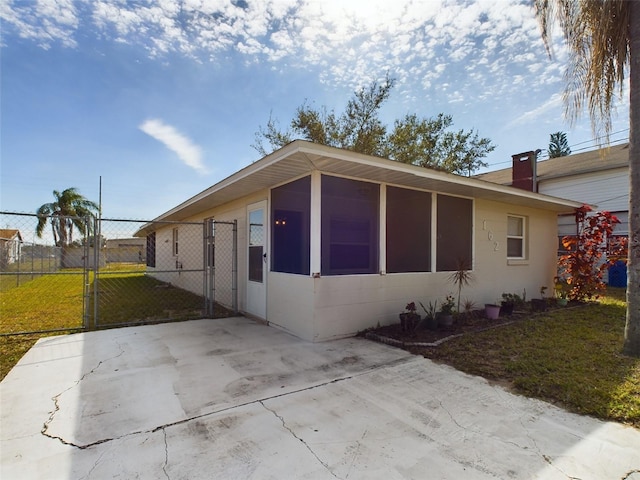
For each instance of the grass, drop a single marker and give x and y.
(55, 302)
(570, 357)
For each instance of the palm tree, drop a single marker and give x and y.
(69, 210)
(603, 37)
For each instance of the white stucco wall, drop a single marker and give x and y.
(329, 307)
(319, 309)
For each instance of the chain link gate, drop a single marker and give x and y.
(115, 273)
(221, 260)
(152, 272)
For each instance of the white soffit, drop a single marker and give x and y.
(300, 158)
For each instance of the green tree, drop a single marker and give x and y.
(68, 210)
(427, 142)
(558, 145)
(603, 37)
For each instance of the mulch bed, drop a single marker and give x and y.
(470, 322)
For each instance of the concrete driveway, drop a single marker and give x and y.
(232, 399)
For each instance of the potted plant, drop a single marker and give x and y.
(461, 277)
(445, 316)
(431, 315)
(409, 318)
(509, 301)
(492, 311)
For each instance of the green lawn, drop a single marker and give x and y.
(570, 357)
(54, 302)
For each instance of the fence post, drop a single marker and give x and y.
(235, 267)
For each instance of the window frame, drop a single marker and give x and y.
(522, 238)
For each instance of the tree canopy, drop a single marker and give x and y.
(427, 142)
(558, 145)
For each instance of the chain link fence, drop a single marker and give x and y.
(113, 272)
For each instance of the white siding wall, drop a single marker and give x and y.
(606, 190)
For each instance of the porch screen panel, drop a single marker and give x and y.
(454, 236)
(408, 230)
(291, 224)
(350, 226)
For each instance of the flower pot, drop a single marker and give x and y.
(491, 311)
(562, 302)
(506, 308)
(445, 319)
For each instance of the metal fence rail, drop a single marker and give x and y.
(114, 272)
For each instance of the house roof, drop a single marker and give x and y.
(616, 156)
(300, 158)
(9, 233)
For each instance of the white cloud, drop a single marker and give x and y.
(349, 42)
(554, 103)
(189, 153)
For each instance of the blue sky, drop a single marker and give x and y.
(162, 98)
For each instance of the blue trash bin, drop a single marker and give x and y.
(618, 274)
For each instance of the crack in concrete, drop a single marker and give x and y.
(301, 440)
(627, 475)
(166, 454)
(177, 422)
(56, 404)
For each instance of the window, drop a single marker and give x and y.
(454, 235)
(350, 226)
(151, 249)
(256, 245)
(408, 230)
(516, 237)
(175, 242)
(290, 232)
(567, 227)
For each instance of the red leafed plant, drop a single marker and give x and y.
(582, 267)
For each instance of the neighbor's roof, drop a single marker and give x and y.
(9, 233)
(300, 158)
(616, 156)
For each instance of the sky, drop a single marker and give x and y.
(155, 101)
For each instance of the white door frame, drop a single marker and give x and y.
(256, 302)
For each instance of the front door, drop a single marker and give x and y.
(257, 259)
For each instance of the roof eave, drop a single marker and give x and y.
(301, 157)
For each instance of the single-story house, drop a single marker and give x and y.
(10, 243)
(331, 242)
(129, 250)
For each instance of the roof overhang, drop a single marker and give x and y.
(300, 158)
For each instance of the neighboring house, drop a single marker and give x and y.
(125, 250)
(331, 242)
(599, 178)
(10, 246)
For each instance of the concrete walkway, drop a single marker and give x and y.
(232, 399)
